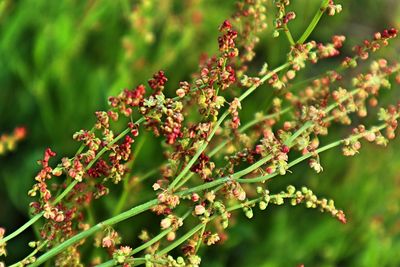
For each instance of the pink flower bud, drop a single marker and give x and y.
(195, 197)
(106, 242)
(199, 210)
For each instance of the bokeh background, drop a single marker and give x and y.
(60, 60)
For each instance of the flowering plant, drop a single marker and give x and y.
(215, 164)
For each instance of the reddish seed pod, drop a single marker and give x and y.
(285, 149)
(195, 197)
(270, 170)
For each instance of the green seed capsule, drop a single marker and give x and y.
(249, 213)
(263, 205)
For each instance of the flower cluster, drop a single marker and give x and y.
(122, 256)
(282, 17)
(163, 116)
(9, 142)
(333, 8)
(306, 196)
(3, 251)
(252, 21)
(128, 99)
(380, 39)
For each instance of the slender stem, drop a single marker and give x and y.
(22, 228)
(181, 239)
(262, 80)
(126, 185)
(65, 192)
(289, 35)
(33, 253)
(200, 237)
(106, 148)
(314, 22)
(189, 165)
(302, 129)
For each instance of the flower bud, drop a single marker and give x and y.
(263, 205)
(199, 210)
(249, 213)
(166, 223)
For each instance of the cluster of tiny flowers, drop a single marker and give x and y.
(296, 197)
(306, 196)
(122, 256)
(8, 142)
(128, 99)
(252, 19)
(380, 39)
(282, 16)
(271, 145)
(333, 9)
(109, 240)
(44, 174)
(163, 116)
(167, 202)
(3, 251)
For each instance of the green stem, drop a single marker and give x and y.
(181, 239)
(32, 254)
(200, 237)
(314, 22)
(302, 129)
(22, 228)
(289, 35)
(262, 80)
(126, 186)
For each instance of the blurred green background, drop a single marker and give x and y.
(60, 60)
